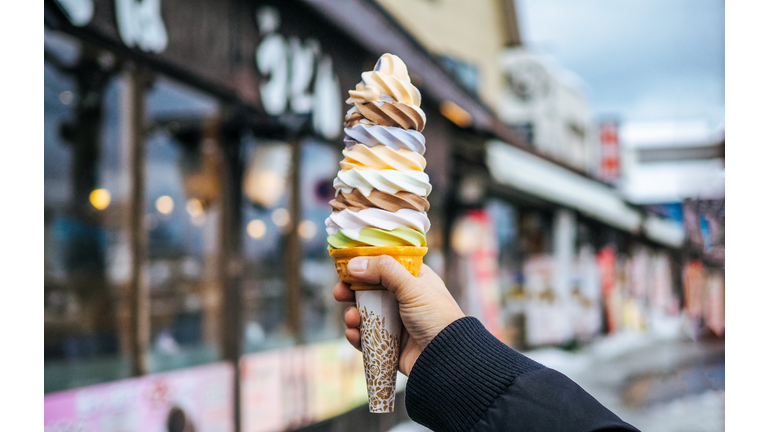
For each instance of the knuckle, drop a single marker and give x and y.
(386, 263)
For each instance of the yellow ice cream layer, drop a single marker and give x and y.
(381, 157)
(379, 237)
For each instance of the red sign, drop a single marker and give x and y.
(609, 150)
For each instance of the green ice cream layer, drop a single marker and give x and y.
(378, 237)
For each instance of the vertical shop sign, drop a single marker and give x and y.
(609, 150)
(289, 67)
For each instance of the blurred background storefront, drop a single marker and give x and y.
(190, 149)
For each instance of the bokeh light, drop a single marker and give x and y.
(164, 204)
(256, 228)
(195, 208)
(307, 229)
(281, 217)
(100, 199)
(66, 97)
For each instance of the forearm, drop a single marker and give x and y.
(466, 379)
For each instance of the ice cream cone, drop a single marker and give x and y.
(410, 257)
(379, 321)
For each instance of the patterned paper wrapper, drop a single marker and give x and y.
(380, 339)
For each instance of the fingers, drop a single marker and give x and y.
(352, 321)
(383, 270)
(352, 317)
(353, 336)
(342, 293)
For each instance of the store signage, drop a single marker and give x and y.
(290, 66)
(198, 398)
(609, 150)
(294, 387)
(139, 22)
(78, 12)
(298, 77)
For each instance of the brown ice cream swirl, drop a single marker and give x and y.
(356, 201)
(388, 114)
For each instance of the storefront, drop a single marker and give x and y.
(189, 156)
(190, 149)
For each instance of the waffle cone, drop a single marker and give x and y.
(410, 257)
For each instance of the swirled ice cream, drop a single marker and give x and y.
(382, 189)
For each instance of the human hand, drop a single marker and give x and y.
(426, 306)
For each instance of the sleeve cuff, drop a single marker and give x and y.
(460, 374)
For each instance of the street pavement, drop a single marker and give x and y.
(659, 380)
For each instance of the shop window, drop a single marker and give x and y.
(183, 226)
(319, 165)
(267, 221)
(85, 201)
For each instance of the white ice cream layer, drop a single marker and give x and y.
(389, 181)
(350, 223)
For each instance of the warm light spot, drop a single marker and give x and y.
(265, 187)
(281, 217)
(307, 229)
(164, 204)
(455, 114)
(66, 97)
(466, 236)
(195, 208)
(256, 228)
(100, 199)
(198, 220)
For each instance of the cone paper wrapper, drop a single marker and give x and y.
(380, 339)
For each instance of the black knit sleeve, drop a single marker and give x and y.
(467, 380)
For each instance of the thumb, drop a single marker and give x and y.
(383, 270)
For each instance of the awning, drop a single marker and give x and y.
(528, 173)
(664, 231)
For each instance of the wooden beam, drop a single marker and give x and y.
(133, 112)
(293, 256)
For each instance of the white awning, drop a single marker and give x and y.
(528, 173)
(664, 231)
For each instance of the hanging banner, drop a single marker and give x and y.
(198, 399)
(475, 238)
(606, 261)
(547, 319)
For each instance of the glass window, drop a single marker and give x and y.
(266, 219)
(85, 200)
(182, 220)
(319, 165)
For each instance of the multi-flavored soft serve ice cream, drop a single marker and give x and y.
(382, 189)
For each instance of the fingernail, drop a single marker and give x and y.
(357, 265)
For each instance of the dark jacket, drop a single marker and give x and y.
(467, 380)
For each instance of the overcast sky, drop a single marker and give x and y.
(641, 60)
